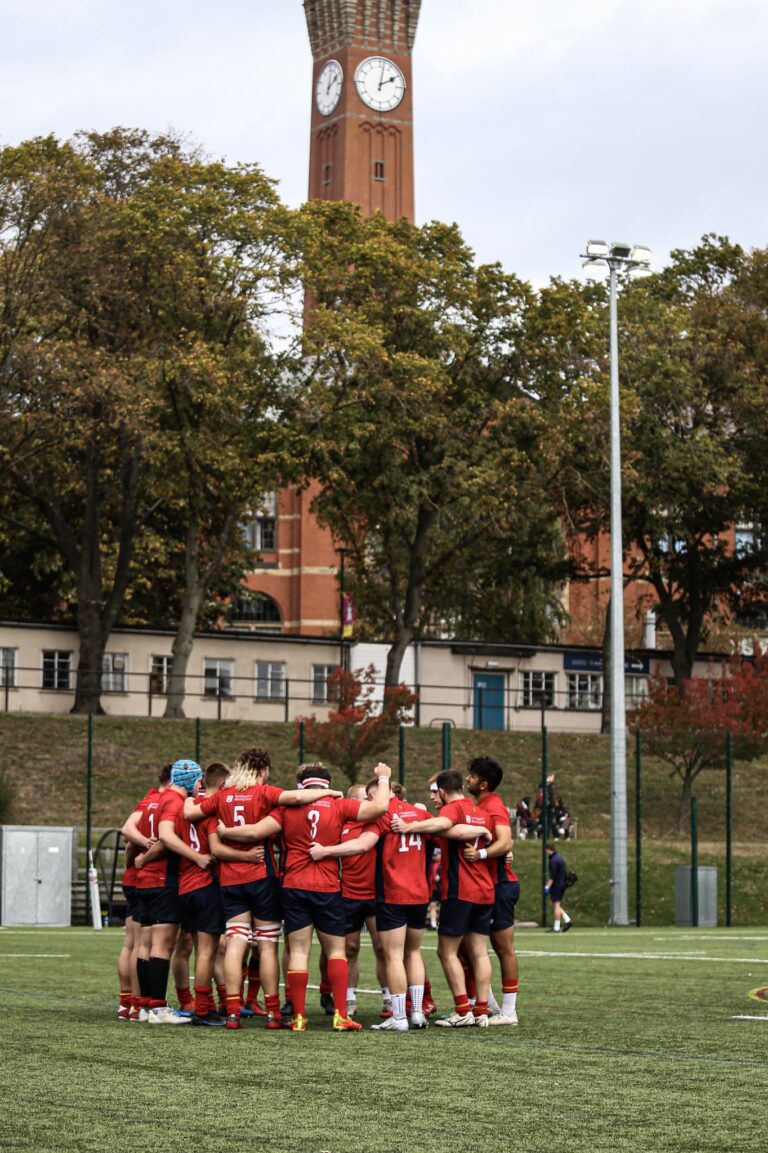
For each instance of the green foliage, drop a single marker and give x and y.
(6, 797)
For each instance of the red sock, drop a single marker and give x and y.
(509, 986)
(202, 1000)
(254, 984)
(326, 986)
(338, 976)
(427, 987)
(233, 1005)
(296, 981)
(126, 998)
(154, 1003)
(184, 997)
(144, 1002)
(480, 1009)
(272, 1002)
(461, 1003)
(222, 995)
(469, 980)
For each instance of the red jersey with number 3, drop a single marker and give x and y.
(320, 822)
(402, 866)
(459, 877)
(243, 807)
(163, 871)
(493, 806)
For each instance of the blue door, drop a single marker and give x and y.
(488, 697)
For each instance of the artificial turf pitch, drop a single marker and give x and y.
(628, 1040)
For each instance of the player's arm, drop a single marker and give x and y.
(173, 841)
(353, 848)
(371, 810)
(431, 826)
(500, 846)
(222, 852)
(468, 833)
(193, 807)
(266, 827)
(155, 850)
(133, 834)
(305, 796)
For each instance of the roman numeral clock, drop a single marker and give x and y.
(362, 104)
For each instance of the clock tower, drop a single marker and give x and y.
(361, 146)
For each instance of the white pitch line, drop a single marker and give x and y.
(59, 956)
(746, 1017)
(646, 957)
(710, 937)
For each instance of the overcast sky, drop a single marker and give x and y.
(539, 123)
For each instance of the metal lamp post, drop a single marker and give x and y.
(603, 259)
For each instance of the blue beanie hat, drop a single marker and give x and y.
(185, 773)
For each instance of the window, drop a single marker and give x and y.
(270, 680)
(159, 675)
(57, 667)
(635, 690)
(378, 170)
(261, 531)
(218, 677)
(320, 688)
(255, 609)
(585, 690)
(537, 689)
(327, 173)
(8, 668)
(114, 673)
(744, 543)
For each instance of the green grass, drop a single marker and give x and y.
(626, 1043)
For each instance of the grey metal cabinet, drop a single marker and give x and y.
(35, 875)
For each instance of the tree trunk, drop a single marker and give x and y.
(182, 649)
(685, 803)
(93, 642)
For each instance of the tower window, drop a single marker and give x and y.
(378, 170)
(327, 173)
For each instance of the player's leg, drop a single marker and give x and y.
(182, 953)
(268, 937)
(164, 934)
(393, 947)
(415, 971)
(326, 993)
(352, 949)
(337, 969)
(142, 952)
(476, 947)
(297, 977)
(125, 970)
(455, 920)
(381, 966)
(238, 934)
(206, 949)
(503, 942)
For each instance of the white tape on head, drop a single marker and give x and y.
(314, 783)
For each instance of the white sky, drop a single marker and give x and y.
(539, 123)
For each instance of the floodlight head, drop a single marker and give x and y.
(597, 248)
(640, 272)
(621, 250)
(595, 269)
(640, 254)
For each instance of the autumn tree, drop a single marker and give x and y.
(688, 731)
(360, 726)
(428, 453)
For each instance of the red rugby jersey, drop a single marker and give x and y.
(195, 835)
(243, 807)
(358, 874)
(130, 873)
(164, 870)
(458, 877)
(320, 822)
(492, 805)
(402, 864)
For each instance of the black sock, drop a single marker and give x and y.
(159, 968)
(142, 971)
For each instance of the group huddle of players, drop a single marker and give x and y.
(228, 863)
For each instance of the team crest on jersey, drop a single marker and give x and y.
(230, 799)
(760, 994)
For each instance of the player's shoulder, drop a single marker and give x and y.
(493, 804)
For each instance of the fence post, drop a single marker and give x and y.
(88, 811)
(544, 824)
(198, 741)
(638, 829)
(149, 694)
(480, 707)
(417, 718)
(694, 863)
(729, 829)
(446, 745)
(401, 755)
(287, 699)
(302, 735)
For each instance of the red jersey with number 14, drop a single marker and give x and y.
(459, 877)
(401, 858)
(320, 822)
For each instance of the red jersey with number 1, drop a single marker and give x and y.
(320, 822)
(243, 807)
(402, 867)
(163, 871)
(493, 806)
(131, 873)
(459, 877)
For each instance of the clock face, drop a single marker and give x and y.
(380, 83)
(329, 85)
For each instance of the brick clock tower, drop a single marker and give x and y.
(361, 150)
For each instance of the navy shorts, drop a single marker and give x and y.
(202, 911)
(390, 917)
(131, 894)
(159, 906)
(302, 907)
(556, 894)
(356, 913)
(259, 898)
(507, 896)
(457, 918)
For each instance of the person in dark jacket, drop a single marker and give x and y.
(555, 886)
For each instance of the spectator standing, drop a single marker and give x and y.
(555, 886)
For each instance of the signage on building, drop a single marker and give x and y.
(586, 662)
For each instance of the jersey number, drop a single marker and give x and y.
(151, 819)
(194, 838)
(410, 841)
(313, 816)
(238, 814)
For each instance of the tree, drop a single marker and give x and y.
(428, 453)
(688, 731)
(360, 727)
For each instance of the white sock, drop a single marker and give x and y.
(566, 918)
(492, 1002)
(508, 1003)
(385, 993)
(398, 1005)
(351, 994)
(557, 926)
(417, 997)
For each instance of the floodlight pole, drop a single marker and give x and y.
(617, 257)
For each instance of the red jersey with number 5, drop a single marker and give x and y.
(243, 807)
(493, 806)
(458, 876)
(402, 865)
(320, 822)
